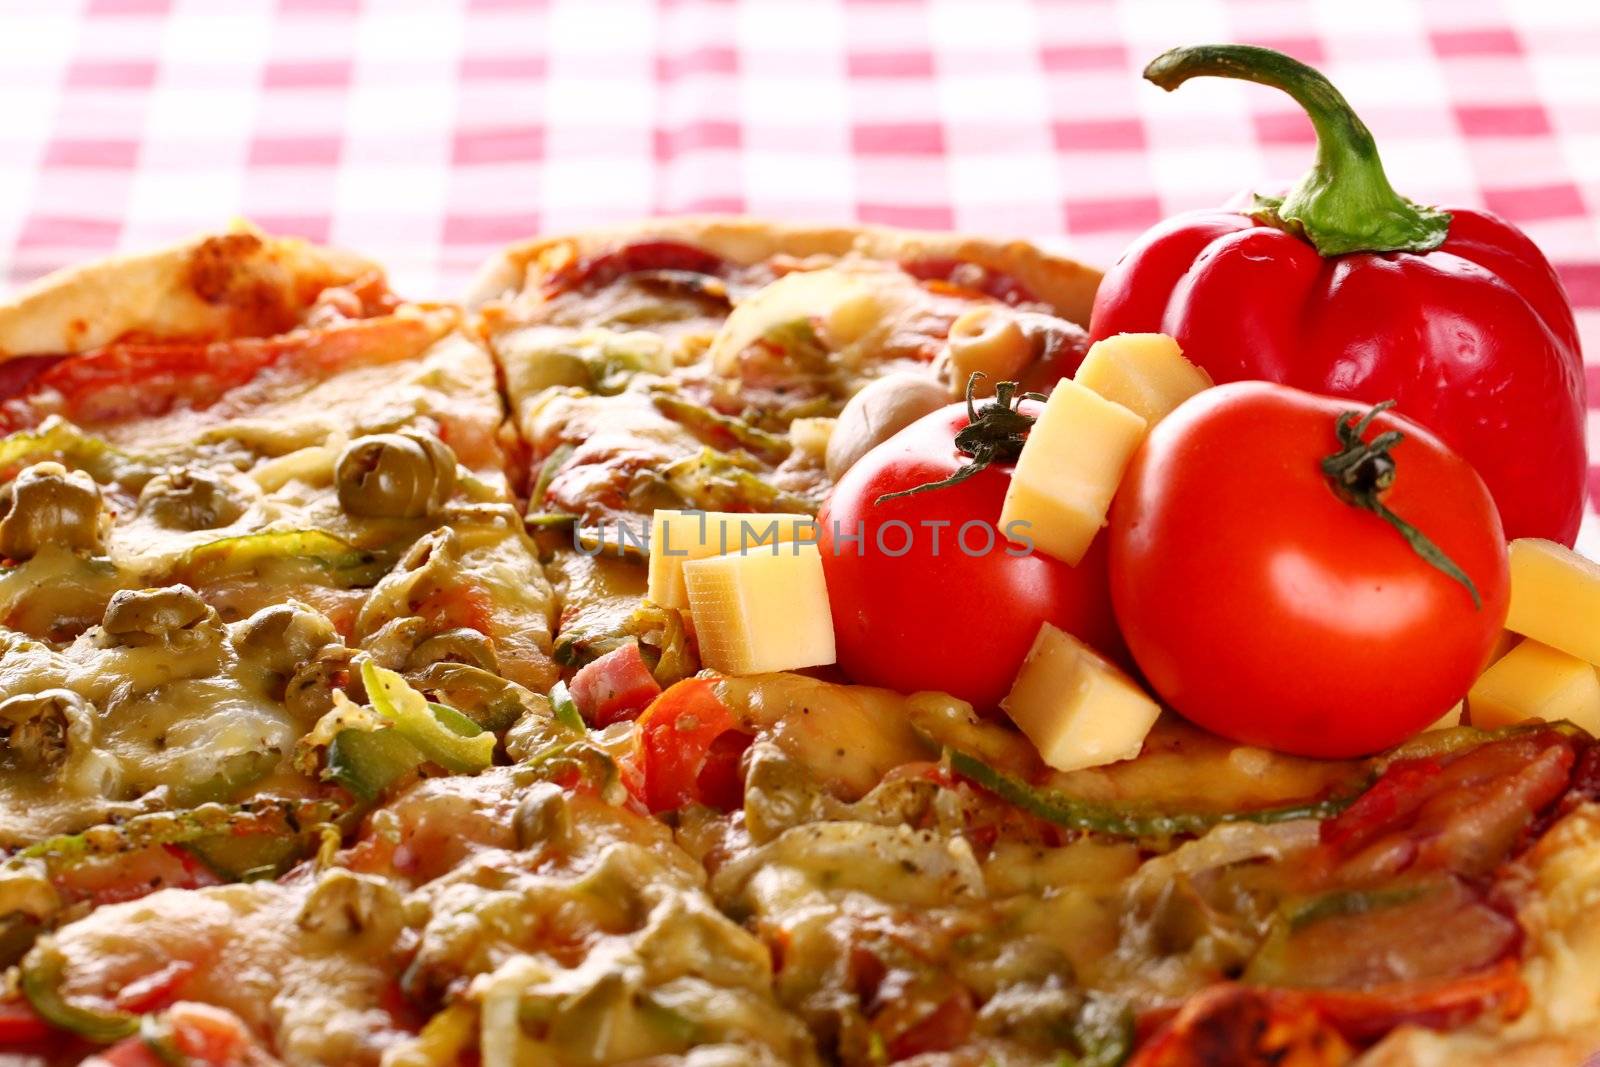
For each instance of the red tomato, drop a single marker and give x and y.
(114, 878)
(196, 1034)
(1262, 605)
(129, 1052)
(912, 608)
(686, 750)
(155, 990)
(20, 1024)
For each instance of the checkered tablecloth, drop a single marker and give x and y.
(428, 132)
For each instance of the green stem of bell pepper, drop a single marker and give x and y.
(1344, 203)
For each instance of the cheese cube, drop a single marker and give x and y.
(1077, 709)
(1555, 597)
(1450, 719)
(762, 611)
(1069, 470)
(1505, 643)
(676, 537)
(1144, 372)
(1535, 681)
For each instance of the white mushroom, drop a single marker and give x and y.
(878, 412)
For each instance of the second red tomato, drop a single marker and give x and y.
(1263, 605)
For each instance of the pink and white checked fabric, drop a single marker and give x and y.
(428, 132)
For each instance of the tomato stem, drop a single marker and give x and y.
(1362, 469)
(994, 434)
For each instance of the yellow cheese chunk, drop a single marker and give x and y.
(1555, 597)
(1535, 681)
(1450, 719)
(1077, 709)
(765, 610)
(676, 537)
(1144, 372)
(1068, 471)
(1506, 642)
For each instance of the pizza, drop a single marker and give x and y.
(354, 711)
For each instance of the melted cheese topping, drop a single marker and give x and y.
(316, 992)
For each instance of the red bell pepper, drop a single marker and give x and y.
(1344, 287)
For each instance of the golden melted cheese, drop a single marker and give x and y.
(316, 992)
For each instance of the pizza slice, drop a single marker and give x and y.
(686, 363)
(217, 498)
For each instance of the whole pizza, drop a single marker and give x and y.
(715, 642)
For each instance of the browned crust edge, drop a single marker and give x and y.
(1065, 284)
(237, 283)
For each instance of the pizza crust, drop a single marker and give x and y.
(1066, 285)
(241, 283)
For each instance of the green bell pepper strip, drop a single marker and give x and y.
(715, 427)
(367, 762)
(1102, 1034)
(261, 815)
(1345, 902)
(56, 438)
(440, 740)
(347, 565)
(251, 858)
(41, 973)
(565, 708)
(1112, 821)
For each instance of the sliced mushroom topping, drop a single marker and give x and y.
(429, 564)
(489, 700)
(172, 617)
(46, 504)
(345, 904)
(284, 637)
(395, 475)
(34, 729)
(189, 499)
(308, 695)
(542, 816)
(461, 645)
(391, 644)
(878, 412)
